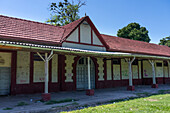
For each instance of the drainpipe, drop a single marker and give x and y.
(46, 96)
(154, 85)
(129, 61)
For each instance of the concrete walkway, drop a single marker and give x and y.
(101, 95)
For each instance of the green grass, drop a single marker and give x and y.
(59, 101)
(22, 104)
(152, 104)
(7, 108)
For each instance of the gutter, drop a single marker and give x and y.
(79, 51)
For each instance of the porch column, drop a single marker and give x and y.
(46, 96)
(154, 85)
(129, 61)
(89, 85)
(89, 91)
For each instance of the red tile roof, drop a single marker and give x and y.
(25, 30)
(134, 46)
(30, 31)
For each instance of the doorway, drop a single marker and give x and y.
(82, 74)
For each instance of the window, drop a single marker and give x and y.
(135, 62)
(37, 57)
(159, 64)
(116, 61)
(81, 61)
(165, 63)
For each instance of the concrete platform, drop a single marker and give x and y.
(100, 95)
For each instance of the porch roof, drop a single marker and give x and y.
(72, 51)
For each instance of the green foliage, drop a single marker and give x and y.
(64, 12)
(152, 104)
(165, 41)
(135, 32)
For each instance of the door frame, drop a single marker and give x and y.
(76, 59)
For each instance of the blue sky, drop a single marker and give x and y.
(107, 15)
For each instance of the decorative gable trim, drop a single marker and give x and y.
(93, 28)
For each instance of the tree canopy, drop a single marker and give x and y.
(165, 41)
(135, 32)
(64, 12)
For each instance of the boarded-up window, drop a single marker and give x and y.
(23, 67)
(39, 69)
(125, 69)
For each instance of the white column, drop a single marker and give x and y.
(46, 61)
(130, 74)
(152, 62)
(89, 84)
(46, 73)
(129, 61)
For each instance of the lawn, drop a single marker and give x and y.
(152, 104)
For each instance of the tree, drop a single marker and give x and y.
(165, 41)
(135, 32)
(64, 12)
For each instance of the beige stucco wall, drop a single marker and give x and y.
(116, 72)
(69, 68)
(166, 71)
(85, 33)
(139, 63)
(109, 73)
(135, 71)
(4, 59)
(96, 39)
(159, 70)
(80, 46)
(39, 71)
(73, 36)
(101, 69)
(23, 67)
(55, 68)
(125, 69)
(147, 69)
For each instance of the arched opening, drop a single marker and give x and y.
(82, 74)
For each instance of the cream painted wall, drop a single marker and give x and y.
(125, 69)
(4, 59)
(39, 71)
(135, 71)
(116, 72)
(147, 69)
(73, 36)
(101, 69)
(139, 63)
(166, 71)
(85, 34)
(85, 47)
(85, 37)
(159, 70)
(55, 68)
(96, 39)
(23, 67)
(109, 73)
(69, 68)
